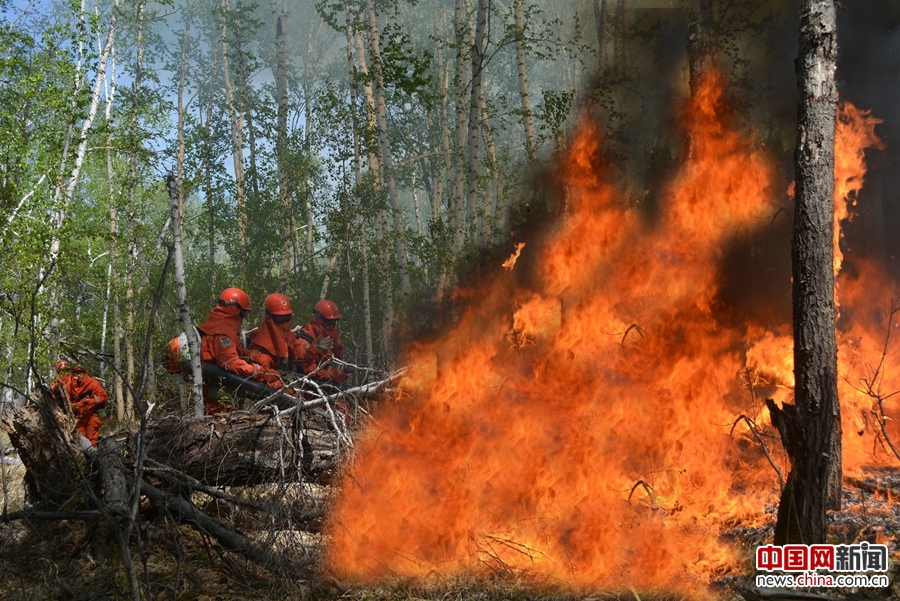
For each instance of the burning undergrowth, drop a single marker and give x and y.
(594, 418)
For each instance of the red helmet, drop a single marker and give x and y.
(278, 304)
(327, 309)
(61, 365)
(235, 296)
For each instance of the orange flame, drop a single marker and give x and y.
(585, 428)
(511, 261)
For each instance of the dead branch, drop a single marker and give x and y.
(635, 327)
(751, 425)
(36, 514)
(228, 538)
(648, 489)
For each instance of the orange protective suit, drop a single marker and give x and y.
(86, 395)
(308, 357)
(220, 339)
(272, 343)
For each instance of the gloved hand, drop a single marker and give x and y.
(77, 406)
(324, 344)
(267, 374)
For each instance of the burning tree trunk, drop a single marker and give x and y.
(810, 429)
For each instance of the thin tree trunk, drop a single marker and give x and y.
(387, 163)
(247, 105)
(474, 129)
(457, 209)
(326, 281)
(493, 199)
(599, 21)
(415, 195)
(281, 143)
(619, 40)
(109, 87)
(127, 412)
(128, 409)
(387, 293)
(310, 228)
(527, 121)
(237, 147)
(810, 429)
(444, 83)
(175, 186)
(207, 177)
(112, 290)
(357, 181)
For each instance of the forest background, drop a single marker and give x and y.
(370, 152)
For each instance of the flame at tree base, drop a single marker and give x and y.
(581, 423)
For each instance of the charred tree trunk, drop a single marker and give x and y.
(810, 429)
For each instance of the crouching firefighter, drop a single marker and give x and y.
(319, 340)
(86, 396)
(225, 372)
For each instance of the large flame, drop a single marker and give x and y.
(589, 422)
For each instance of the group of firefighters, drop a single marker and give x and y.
(271, 348)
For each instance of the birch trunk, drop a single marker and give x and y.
(281, 143)
(474, 129)
(457, 209)
(112, 289)
(357, 180)
(175, 186)
(387, 163)
(527, 121)
(494, 198)
(444, 83)
(127, 409)
(207, 178)
(62, 198)
(237, 148)
(384, 257)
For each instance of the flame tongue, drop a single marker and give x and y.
(581, 430)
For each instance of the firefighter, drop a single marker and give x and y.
(85, 394)
(220, 337)
(271, 344)
(318, 340)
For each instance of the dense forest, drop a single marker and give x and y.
(395, 156)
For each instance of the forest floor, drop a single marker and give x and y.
(63, 559)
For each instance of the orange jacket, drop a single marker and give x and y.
(220, 338)
(308, 357)
(85, 396)
(271, 344)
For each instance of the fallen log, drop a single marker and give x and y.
(243, 449)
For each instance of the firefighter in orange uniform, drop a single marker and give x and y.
(273, 344)
(220, 337)
(318, 340)
(86, 395)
